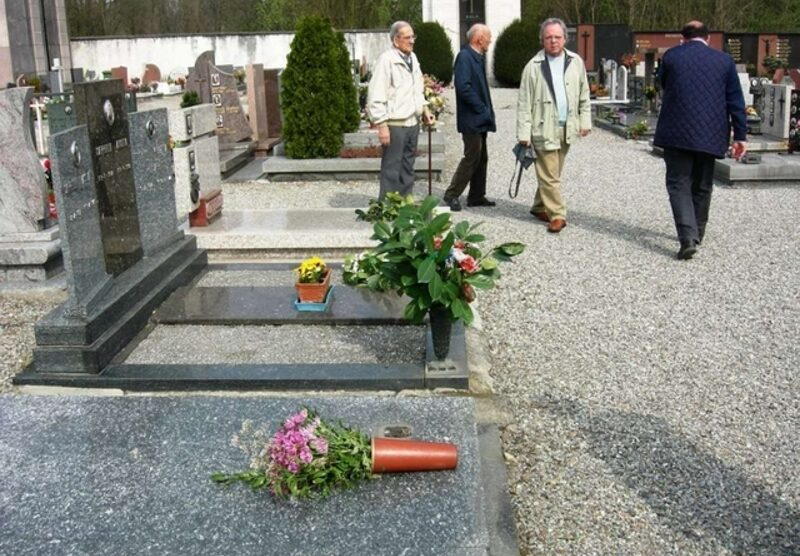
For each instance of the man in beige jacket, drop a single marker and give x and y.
(395, 103)
(552, 110)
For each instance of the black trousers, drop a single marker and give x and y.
(471, 170)
(690, 178)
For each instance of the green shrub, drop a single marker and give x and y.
(434, 51)
(318, 96)
(190, 98)
(514, 48)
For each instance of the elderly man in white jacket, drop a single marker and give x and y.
(395, 103)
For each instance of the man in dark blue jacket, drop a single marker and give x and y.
(475, 117)
(702, 99)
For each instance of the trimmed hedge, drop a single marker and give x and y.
(318, 96)
(514, 48)
(434, 51)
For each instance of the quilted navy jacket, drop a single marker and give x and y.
(701, 100)
(474, 112)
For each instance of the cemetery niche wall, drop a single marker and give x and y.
(123, 251)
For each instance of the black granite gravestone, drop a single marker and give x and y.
(81, 237)
(101, 106)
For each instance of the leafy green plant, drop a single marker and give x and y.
(421, 254)
(515, 46)
(319, 98)
(434, 51)
(637, 130)
(386, 210)
(190, 98)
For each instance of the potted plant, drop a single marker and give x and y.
(313, 280)
(438, 265)
(308, 457)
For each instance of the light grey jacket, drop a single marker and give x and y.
(537, 113)
(395, 95)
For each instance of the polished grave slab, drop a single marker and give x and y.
(130, 474)
(251, 337)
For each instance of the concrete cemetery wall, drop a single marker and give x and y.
(175, 54)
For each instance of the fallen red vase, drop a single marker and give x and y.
(398, 455)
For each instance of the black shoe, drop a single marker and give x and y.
(454, 205)
(687, 251)
(484, 202)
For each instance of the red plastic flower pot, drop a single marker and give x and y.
(398, 455)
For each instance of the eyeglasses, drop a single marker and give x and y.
(408, 38)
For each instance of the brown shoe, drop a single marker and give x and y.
(541, 215)
(556, 225)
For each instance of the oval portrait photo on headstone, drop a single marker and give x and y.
(108, 112)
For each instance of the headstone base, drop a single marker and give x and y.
(87, 345)
(30, 257)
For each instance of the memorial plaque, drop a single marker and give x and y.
(23, 188)
(101, 106)
(79, 222)
(777, 109)
(154, 179)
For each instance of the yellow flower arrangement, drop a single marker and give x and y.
(311, 271)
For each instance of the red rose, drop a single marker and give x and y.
(468, 264)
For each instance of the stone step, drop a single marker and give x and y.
(282, 168)
(286, 230)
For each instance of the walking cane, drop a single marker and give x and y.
(430, 167)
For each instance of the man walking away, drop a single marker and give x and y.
(702, 99)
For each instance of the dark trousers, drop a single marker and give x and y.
(471, 170)
(397, 162)
(689, 183)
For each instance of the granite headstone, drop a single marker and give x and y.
(23, 188)
(79, 210)
(154, 179)
(151, 74)
(101, 106)
(219, 88)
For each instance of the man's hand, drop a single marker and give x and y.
(383, 135)
(738, 149)
(585, 132)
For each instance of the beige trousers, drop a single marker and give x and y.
(549, 165)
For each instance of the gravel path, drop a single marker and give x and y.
(655, 402)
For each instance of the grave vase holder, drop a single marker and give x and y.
(401, 455)
(441, 328)
(314, 292)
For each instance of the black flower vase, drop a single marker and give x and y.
(441, 326)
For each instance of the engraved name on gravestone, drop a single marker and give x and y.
(78, 207)
(101, 106)
(23, 206)
(154, 179)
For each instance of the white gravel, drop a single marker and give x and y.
(655, 402)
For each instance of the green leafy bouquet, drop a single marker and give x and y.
(421, 254)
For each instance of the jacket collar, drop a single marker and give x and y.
(541, 57)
